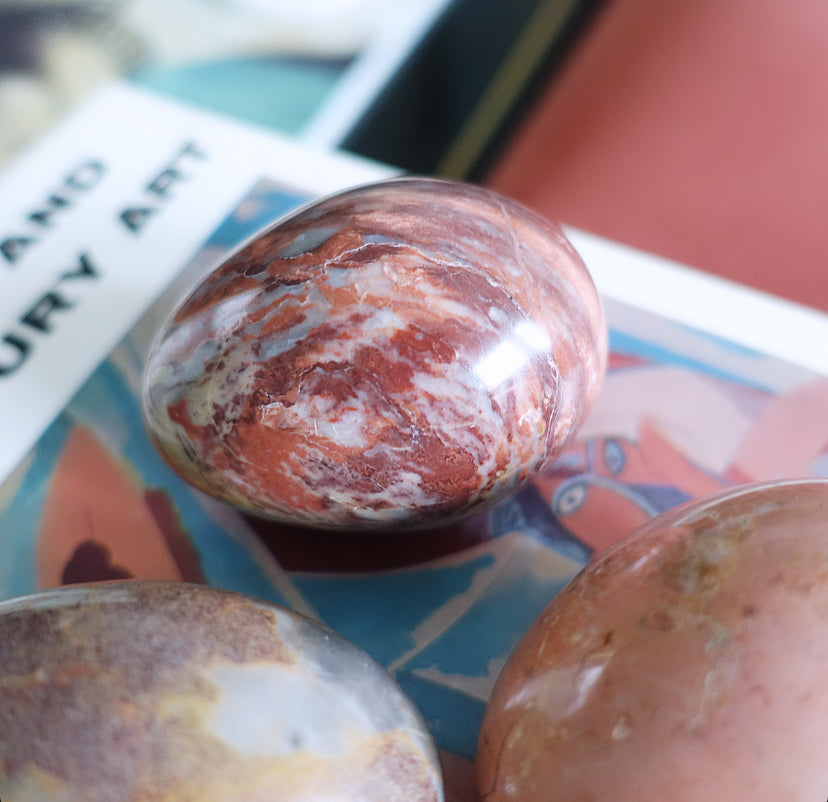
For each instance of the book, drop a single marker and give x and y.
(312, 69)
(107, 221)
(412, 83)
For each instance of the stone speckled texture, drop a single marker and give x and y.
(158, 690)
(688, 663)
(400, 354)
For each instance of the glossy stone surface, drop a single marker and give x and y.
(399, 354)
(153, 690)
(687, 664)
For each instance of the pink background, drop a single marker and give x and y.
(694, 130)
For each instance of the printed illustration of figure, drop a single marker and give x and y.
(100, 523)
(789, 438)
(635, 459)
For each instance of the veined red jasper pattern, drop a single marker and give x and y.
(402, 353)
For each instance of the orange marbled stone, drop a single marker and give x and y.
(687, 663)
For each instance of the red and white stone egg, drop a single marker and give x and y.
(397, 355)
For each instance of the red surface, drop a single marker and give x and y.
(698, 131)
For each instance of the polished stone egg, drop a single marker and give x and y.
(166, 691)
(400, 354)
(687, 663)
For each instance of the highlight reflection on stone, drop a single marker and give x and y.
(161, 690)
(400, 354)
(687, 663)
